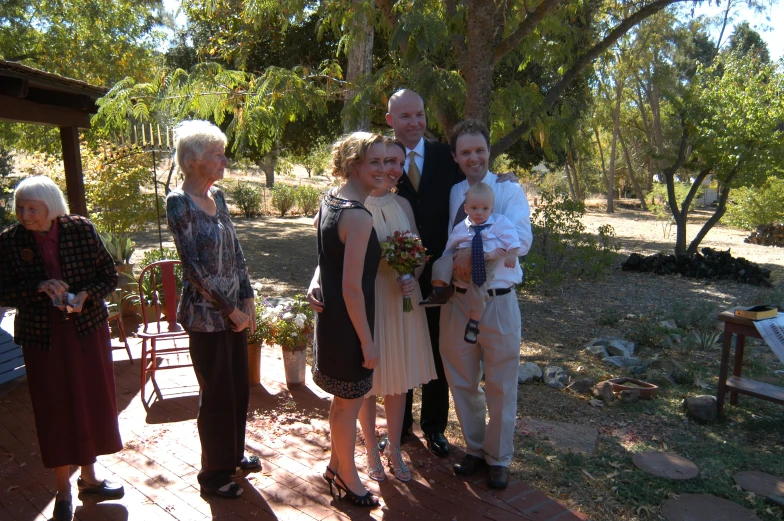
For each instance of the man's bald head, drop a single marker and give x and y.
(406, 116)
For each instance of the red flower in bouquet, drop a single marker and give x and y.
(404, 252)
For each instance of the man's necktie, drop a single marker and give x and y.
(414, 175)
(478, 274)
(461, 214)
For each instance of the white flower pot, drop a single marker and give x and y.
(295, 365)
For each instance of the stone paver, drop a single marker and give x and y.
(288, 429)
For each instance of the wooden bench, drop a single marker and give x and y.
(736, 384)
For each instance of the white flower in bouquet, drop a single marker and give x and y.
(287, 315)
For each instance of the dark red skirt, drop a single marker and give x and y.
(73, 394)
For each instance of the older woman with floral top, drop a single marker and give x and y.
(216, 308)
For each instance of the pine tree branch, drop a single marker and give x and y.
(525, 28)
(579, 66)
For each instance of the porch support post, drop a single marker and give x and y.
(72, 160)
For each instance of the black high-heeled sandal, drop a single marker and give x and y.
(328, 479)
(368, 500)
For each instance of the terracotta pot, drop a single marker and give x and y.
(254, 363)
(295, 364)
(647, 390)
(125, 274)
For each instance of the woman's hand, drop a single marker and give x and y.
(370, 354)
(249, 308)
(54, 289)
(240, 320)
(76, 303)
(406, 286)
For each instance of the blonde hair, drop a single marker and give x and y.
(191, 138)
(481, 190)
(41, 188)
(350, 150)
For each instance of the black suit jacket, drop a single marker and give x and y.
(431, 202)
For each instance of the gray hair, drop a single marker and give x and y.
(41, 188)
(191, 138)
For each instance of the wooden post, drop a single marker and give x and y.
(72, 161)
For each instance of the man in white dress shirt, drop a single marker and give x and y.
(498, 344)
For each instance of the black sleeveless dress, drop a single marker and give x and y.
(337, 352)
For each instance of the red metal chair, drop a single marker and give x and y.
(155, 279)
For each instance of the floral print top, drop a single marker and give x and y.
(215, 276)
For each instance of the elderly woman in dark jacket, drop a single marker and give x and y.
(216, 307)
(56, 272)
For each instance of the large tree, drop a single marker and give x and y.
(508, 62)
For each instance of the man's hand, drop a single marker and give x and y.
(507, 177)
(509, 261)
(461, 263)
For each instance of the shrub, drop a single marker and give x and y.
(308, 198)
(698, 315)
(646, 332)
(561, 247)
(247, 197)
(6, 161)
(113, 189)
(284, 197)
(750, 206)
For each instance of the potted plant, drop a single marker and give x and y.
(289, 324)
(121, 249)
(255, 341)
(131, 295)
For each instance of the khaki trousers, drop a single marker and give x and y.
(498, 349)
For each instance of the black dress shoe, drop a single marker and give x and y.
(438, 297)
(437, 444)
(63, 510)
(105, 488)
(250, 463)
(468, 465)
(498, 477)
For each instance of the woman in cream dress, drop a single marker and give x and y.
(406, 358)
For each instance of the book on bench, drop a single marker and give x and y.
(757, 312)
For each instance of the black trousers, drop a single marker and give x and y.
(435, 393)
(220, 361)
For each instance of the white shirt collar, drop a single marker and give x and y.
(419, 148)
(490, 220)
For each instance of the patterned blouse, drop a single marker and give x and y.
(215, 276)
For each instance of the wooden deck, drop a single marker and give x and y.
(287, 429)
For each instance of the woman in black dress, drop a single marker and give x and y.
(349, 254)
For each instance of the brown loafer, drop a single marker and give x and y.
(498, 477)
(468, 465)
(105, 488)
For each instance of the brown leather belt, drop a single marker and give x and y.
(491, 292)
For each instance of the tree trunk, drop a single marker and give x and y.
(360, 64)
(710, 223)
(572, 191)
(268, 163)
(601, 155)
(614, 144)
(482, 34)
(635, 184)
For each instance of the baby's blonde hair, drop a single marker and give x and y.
(351, 149)
(481, 190)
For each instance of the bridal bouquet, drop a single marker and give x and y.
(403, 251)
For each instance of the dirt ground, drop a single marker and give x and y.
(281, 254)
